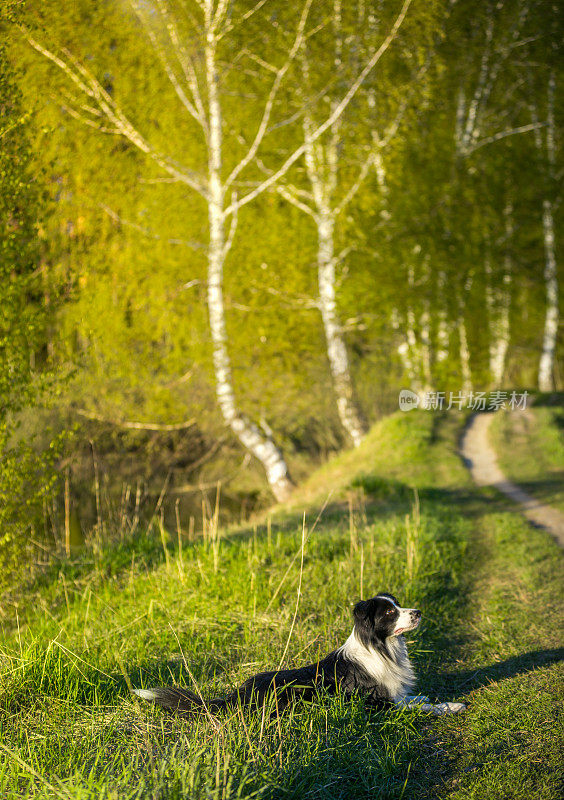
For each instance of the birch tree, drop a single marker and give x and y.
(545, 141)
(478, 114)
(189, 47)
(498, 303)
(332, 183)
(415, 351)
(463, 347)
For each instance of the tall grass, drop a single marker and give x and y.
(144, 605)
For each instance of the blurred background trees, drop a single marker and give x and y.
(414, 241)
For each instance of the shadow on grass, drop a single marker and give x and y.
(377, 754)
(445, 758)
(462, 683)
(391, 501)
(488, 500)
(550, 399)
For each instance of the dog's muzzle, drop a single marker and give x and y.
(409, 618)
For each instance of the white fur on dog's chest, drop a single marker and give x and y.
(395, 673)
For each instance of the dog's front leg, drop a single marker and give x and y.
(437, 709)
(412, 700)
(441, 709)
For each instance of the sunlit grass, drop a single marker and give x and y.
(215, 611)
(530, 450)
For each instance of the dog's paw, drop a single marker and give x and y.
(456, 708)
(442, 709)
(421, 702)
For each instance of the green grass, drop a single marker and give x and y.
(530, 451)
(126, 613)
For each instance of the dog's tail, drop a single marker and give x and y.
(179, 701)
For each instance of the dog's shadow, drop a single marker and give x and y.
(466, 681)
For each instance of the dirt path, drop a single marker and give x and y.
(481, 460)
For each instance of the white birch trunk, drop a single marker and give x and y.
(413, 356)
(464, 349)
(407, 362)
(546, 364)
(425, 334)
(425, 326)
(498, 302)
(404, 350)
(500, 342)
(316, 156)
(248, 434)
(416, 351)
(336, 349)
(443, 333)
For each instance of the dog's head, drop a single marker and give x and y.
(377, 619)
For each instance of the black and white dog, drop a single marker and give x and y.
(373, 662)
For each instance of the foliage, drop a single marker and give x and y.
(26, 476)
(124, 251)
(27, 482)
(19, 203)
(530, 449)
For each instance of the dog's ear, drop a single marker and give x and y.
(363, 611)
(391, 596)
(363, 614)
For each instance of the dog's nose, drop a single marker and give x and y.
(416, 613)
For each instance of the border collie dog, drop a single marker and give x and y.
(373, 663)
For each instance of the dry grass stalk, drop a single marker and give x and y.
(214, 531)
(299, 594)
(361, 571)
(67, 513)
(163, 540)
(352, 527)
(96, 489)
(123, 510)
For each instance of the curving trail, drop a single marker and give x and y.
(481, 460)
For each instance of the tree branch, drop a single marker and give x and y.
(503, 134)
(363, 172)
(243, 18)
(90, 122)
(468, 132)
(138, 426)
(161, 55)
(185, 61)
(232, 227)
(219, 14)
(116, 218)
(291, 198)
(260, 61)
(90, 85)
(336, 113)
(263, 126)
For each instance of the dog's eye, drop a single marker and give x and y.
(390, 611)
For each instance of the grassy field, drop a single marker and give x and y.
(530, 450)
(399, 514)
